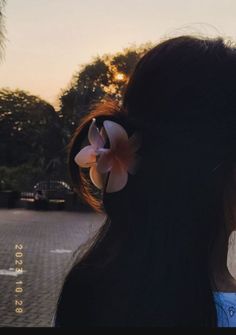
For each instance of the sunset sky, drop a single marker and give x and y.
(48, 40)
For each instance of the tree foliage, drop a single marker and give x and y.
(104, 77)
(34, 138)
(19, 178)
(30, 130)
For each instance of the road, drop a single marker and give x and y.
(40, 245)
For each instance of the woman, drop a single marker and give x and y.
(160, 259)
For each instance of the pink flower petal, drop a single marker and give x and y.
(115, 133)
(135, 142)
(86, 157)
(96, 178)
(133, 164)
(118, 178)
(95, 138)
(105, 160)
(103, 134)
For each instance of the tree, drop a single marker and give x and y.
(104, 77)
(2, 26)
(30, 131)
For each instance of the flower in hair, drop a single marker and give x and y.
(109, 167)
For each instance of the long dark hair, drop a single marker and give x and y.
(149, 264)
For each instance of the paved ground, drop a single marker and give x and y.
(48, 240)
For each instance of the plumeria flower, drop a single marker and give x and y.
(87, 156)
(117, 161)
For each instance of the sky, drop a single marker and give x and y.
(49, 40)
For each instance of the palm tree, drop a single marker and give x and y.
(2, 27)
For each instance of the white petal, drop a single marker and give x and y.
(85, 157)
(95, 138)
(103, 134)
(105, 160)
(134, 164)
(115, 133)
(135, 142)
(96, 177)
(118, 178)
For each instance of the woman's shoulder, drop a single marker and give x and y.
(226, 308)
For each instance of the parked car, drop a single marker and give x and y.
(52, 194)
(40, 200)
(53, 189)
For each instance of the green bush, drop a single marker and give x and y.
(19, 178)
